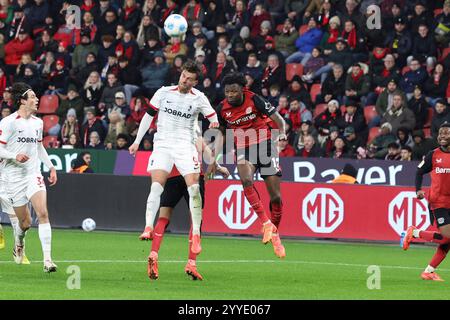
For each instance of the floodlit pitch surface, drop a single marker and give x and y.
(112, 265)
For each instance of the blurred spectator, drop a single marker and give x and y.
(283, 105)
(354, 117)
(436, 85)
(306, 42)
(442, 31)
(73, 142)
(108, 25)
(116, 127)
(385, 101)
(355, 41)
(253, 67)
(378, 147)
(138, 110)
(325, 120)
(422, 145)
(353, 142)
(314, 63)
(82, 50)
(110, 89)
(330, 37)
(306, 129)
(130, 16)
(5, 111)
(387, 72)
(350, 12)
(285, 41)
(399, 41)
(152, 9)
(152, 46)
(274, 94)
(82, 163)
(357, 84)
(154, 74)
(128, 48)
(43, 45)
(424, 47)
(73, 101)
(333, 87)
(92, 91)
(419, 106)
(327, 143)
(193, 11)
(297, 90)
(340, 149)
(90, 66)
(7, 99)
(95, 142)
(440, 116)
(404, 137)
(286, 150)
(310, 148)
(175, 70)
(70, 127)
(120, 105)
(348, 175)
(298, 113)
(406, 153)
(122, 142)
(218, 71)
(295, 10)
(15, 48)
(214, 15)
(399, 115)
(416, 76)
(129, 76)
(175, 48)
(147, 28)
(393, 152)
(259, 15)
(111, 66)
(90, 125)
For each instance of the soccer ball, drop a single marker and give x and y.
(175, 25)
(88, 225)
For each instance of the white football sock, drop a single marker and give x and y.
(416, 233)
(153, 202)
(15, 226)
(429, 269)
(195, 204)
(20, 236)
(45, 235)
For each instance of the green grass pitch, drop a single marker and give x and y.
(113, 266)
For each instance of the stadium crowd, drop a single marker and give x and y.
(345, 89)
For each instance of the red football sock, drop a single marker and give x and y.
(192, 256)
(276, 210)
(440, 255)
(253, 198)
(158, 233)
(432, 236)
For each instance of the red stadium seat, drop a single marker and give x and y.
(373, 133)
(280, 27)
(293, 69)
(302, 29)
(427, 132)
(319, 109)
(444, 54)
(438, 11)
(343, 109)
(405, 70)
(48, 104)
(315, 90)
(429, 118)
(50, 142)
(369, 113)
(49, 122)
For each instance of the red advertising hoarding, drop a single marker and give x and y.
(319, 210)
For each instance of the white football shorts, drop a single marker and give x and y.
(20, 192)
(185, 159)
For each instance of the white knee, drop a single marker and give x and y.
(156, 191)
(194, 190)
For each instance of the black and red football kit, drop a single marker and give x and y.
(251, 125)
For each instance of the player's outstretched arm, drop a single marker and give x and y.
(281, 125)
(143, 128)
(43, 156)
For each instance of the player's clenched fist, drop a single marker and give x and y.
(420, 194)
(133, 149)
(22, 158)
(213, 125)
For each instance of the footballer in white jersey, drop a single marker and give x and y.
(178, 108)
(22, 150)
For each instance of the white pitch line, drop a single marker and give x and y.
(341, 264)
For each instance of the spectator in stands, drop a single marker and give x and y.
(333, 87)
(31, 77)
(404, 137)
(130, 16)
(355, 41)
(378, 147)
(110, 89)
(310, 148)
(384, 102)
(15, 48)
(350, 12)
(175, 48)
(416, 76)
(147, 29)
(297, 90)
(253, 67)
(90, 125)
(340, 55)
(399, 115)
(348, 175)
(340, 149)
(63, 54)
(111, 66)
(82, 163)
(152, 46)
(129, 76)
(152, 9)
(201, 44)
(4, 81)
(274, 94)
(393, 152)
(95, 142)
(19, 21)
(330, 117)
(92, 91)
(122, 142)
(312, 9)
(442, 31)
(354, 117)
(5, 111)
(286, 150)
(43, 45)
(406, 153)
(330, 37)
(436, 85)
(357, 85)
(424, 47)
(440, 116)
(419, 106)
(73, 101)
(326, 12)
(285, 41)
(109, 24)
(193, 11)
(374, 36)
(116, 127)
(327, 144)
(154, 74)
(306, 42)
(38, 12)
(82, 50)
(120, 105)
(385, 73)
(259, 15)
(313, 65)
(91, 65)
(128, 48)
(295, 10)
(58, 79)
(138, 110)
(283, 105)
(422, 145)
(7, 99)
(306, 128)
(69, 127)
(353, 142)
(421, 17)
(298, 113)
(399, 41)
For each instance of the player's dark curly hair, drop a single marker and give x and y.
(234, 78)
(18, 92)
(191, 66)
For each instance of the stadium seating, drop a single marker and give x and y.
(427, 132)
(429, 118)
(48, 104)
(315, 90)
(293, 69)
(49, 122)
(319, 109)
(405, 70)
(373, 132)
(444, 54)
(369, 113)
(302, 29)
(280, 27)
(343, 109)
(50, 142)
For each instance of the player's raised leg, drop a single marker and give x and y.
(39, 202)
(24, 223)
(15, 227)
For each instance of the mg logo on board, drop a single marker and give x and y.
(234, 209)
(406, 210)
(323, 210)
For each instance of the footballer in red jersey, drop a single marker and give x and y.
(437, 163)
(249, 117)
